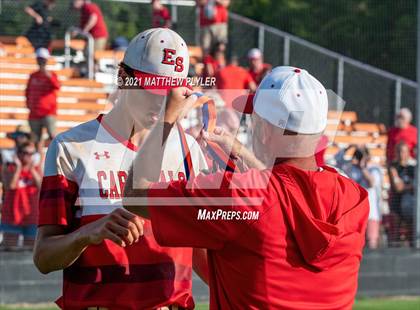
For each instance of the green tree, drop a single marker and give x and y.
(379, 32)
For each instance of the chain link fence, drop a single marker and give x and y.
(371, 92)
(375, 95)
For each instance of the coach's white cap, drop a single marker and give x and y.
(254, 53)
(42, 52)
(159, 52)
(290, 98)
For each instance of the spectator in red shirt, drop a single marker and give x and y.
(287, 237)
(41, 98)
(21, 181)
(214, 61)
(402, 173)
(233, 81)
(213, 22)
(257, 68)
(403, 131)
(92, 21)
(161, 18)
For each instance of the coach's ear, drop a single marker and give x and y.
(266, 132)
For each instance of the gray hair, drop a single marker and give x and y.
(406, 113)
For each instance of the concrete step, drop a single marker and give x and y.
(22, 282)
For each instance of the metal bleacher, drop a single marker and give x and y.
(79, 99)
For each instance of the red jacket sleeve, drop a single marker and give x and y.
(204, 214)
(165, 14)
(28, 90)
(54, 81)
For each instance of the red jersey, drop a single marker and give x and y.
(231, 81)
(99, 30)
(160, 17)
(220, 15)
(41, 94)
(397, 135)
(20, 206)
(257, 76)
(209, 60)
(85, 172)
(303, 251)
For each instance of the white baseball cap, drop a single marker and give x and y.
(290, 98)
(254, 53)
(157, 53)
(42, 52)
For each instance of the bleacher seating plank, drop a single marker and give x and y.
(66, 72)
(12, 128)
(6, 143)
(82, 83)
(14, 50)
(79, 95)
(382, 139)
(331, 151)
(334, 127)
(23, 41)
(23, 60)
(358, 140)
(12, 40)
(71, 82)
(109, 54)
(60, 117)
(377, 152)
(370, 128)
(87, 106)
(8, 40)
(346, 116)
(75, 44)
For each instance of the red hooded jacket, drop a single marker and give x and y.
(302, 252)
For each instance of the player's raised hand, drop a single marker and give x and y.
(178, 103)
(120, 226)
(226, 140)
(232, 146)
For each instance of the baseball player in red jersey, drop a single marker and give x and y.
(288, 237)
(109, 256)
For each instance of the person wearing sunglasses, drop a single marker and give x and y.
(21, 182)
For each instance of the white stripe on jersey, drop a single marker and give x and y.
(91, 157)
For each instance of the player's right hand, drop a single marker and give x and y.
(178, 103)
(226, 140)
(120, 226)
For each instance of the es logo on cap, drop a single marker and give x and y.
(178, 62)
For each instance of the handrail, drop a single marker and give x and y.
(165, 2)
(67, 50)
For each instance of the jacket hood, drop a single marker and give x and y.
(327, 214)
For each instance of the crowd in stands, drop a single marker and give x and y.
(21, 167)
(21, 175)
(401, 153)
(400, 166)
